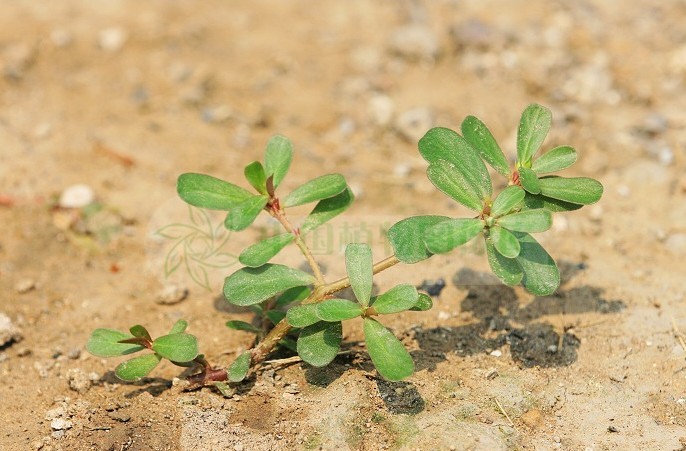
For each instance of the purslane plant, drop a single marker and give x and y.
(298, 309)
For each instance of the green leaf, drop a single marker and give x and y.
(446, 177)
(327, 209)
(397, 299)
(243, 326)
(479, 136)
(388, 354)
(338, 310)
(320, 188)
(239, 368)
(255, 175)
(505, 269)
(249, 286)
(137, 367)
(541, 276)
(243, 214)
(447, 235)
(510, 198)
(319, 343)
(538, 220)
(406, 237)
(444, 144)
(358, 263)
(504, 241)
(302, 315)
(209, 192)
(140, 332)
(534, 201)
(529, 180)
(292, 295)
(176, 347)
(275, 316)
(105, 343)
(261, 252)
(577, 190)
(423, 304)
(179, 327)
(533, 128)
(277, 158)
(555, 160)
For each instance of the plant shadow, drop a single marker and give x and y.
(501, 321)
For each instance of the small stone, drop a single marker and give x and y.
(612, 428)
(74, 353)
(432, 287)
(676, 243)
(119, 416)
(80, 381)
(217, 114)
(3, 357)
(17, 59)
(496, 353)
(491, 374)
(413, 123)
(415, 42)
(381, 109)
(171, 294)
(60, 424)
(238, 447)
(56, 435)
(24, 285)
(23, 352)
(76, 196)
(112, 39)
(55, 413)
(9, 333)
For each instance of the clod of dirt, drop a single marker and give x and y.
(80, 381)
(24, 285)
(537, 345)
(76, 196)
(9, 333)
(400, 397)
(432, 287)
(171, 294)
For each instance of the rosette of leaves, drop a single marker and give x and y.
(177, 346)
(506, 221)
(321, 323)
(331, 192)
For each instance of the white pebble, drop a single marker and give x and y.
(496, 353)
(8, 331)
(76, 196)
(112, 39)
(60, 424)
(24, 285)
(381, 108)
(171, 294)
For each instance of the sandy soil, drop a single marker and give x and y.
(124, 96)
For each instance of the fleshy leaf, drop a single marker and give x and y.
(397, 299)
(209, 192)
(140, 332)
(358, 263)
(249, 286)
(275, 316)
(261, 252)
(507, 200)
(137, 367)
(445, 144)
(505, 269)
(292, 295)
(240, 367)
(541, 276)
(388, 354)
(407, 237)
(255, 175)
(446, 177)
(105, 343)
(179, 327)
(538, 220)
(577, 190)
(423, 304)
(529, 180)
(479, 136)
(243, 214)
(277, 158)
(534, 201)
(242, 325)
(320, 188)
(447, 235)
(302, 315)
(504, 241)
(327, 209)
(319, 343)
(176, 347)
(338, 310)
(555, 160)
(533, 128)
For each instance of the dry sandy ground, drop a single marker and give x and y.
(124, 96)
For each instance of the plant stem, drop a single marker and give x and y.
(345, 281)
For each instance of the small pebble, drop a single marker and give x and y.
(171, 294)
(55, 413)
(612, 429)
(496, 353)
(413, 124)
(24, 285)
(80, 381)
(112, 39)
(60, 424)
(676, 243)
(415, 42)
(76, 196)
(491, 374)
(217, 114)
(8, 332)
(119, 416)
(381, 109)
